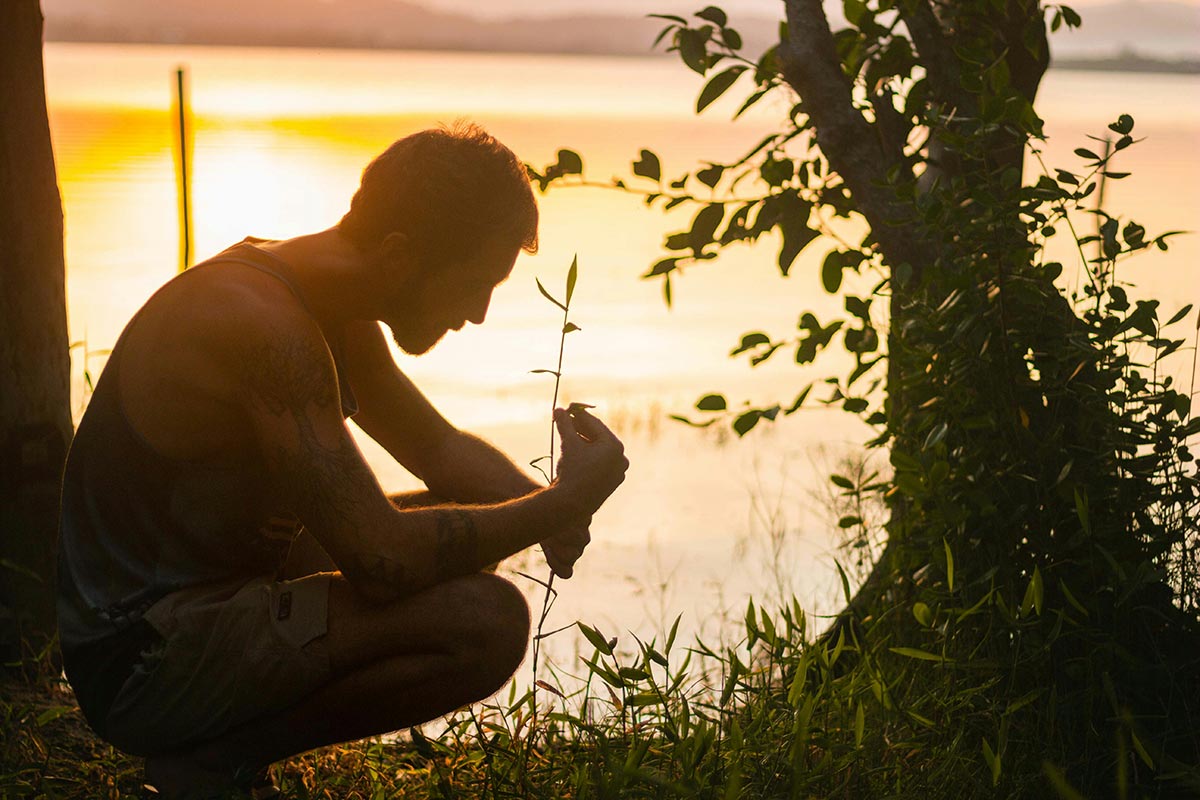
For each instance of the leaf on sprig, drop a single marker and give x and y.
(547, 295)
(648, 166)
(596, 639)
(543, 372)
(549, 688)
(577, 406)
(716, 87)
(572, 275)
(570, 327)
(569, 162)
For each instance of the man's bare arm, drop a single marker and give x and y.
(289, 388)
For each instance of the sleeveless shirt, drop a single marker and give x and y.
(136, 525)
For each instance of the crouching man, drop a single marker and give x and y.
(234, 585)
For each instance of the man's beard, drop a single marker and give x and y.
(416, 347)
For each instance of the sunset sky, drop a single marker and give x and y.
(500, 8)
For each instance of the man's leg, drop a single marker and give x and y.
(395, 665)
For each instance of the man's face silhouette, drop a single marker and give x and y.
(445, 296)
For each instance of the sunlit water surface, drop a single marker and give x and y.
(703, 521)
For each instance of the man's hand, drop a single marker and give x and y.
(563, 549)
(592, 466)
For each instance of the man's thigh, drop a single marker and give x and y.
(227, 654)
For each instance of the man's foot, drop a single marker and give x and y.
(186, 777)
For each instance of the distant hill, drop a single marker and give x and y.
(1152, 29)
(391, 24)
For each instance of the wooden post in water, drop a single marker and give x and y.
(183, 175)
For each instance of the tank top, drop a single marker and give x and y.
(136, 525)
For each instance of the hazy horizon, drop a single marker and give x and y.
(498, 9)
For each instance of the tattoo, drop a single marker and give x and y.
(290, 373)
(321, 478)
(384, 571)
(457, 543)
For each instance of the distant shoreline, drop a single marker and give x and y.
(1129, 63)
(1125, 62)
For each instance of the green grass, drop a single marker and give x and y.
(770, 716)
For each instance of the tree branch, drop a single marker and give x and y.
(937, 54)
(811, 66)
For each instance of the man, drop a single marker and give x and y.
(235, 586)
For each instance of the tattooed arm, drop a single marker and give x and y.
(288, 386)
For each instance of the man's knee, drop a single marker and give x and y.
(501, 629)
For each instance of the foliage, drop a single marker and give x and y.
(1036, 606)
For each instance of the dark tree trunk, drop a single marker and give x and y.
(872, 165)
(35, 406)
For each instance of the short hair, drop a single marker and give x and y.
(450, 190)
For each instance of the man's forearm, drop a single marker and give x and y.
(468, 469)
(439, 543)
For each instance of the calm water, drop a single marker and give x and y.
(280, 139)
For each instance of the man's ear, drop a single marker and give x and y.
(394, 258)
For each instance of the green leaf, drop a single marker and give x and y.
(831, 272)
(571, 327)
(1083, 152)
(1180, 314)
(710, 175)
(705, 224)
(1039, 592)
(799, 401)
(596, 639)
(993, 762)
(714, 15)
(777, 171)
(745, 422)
(1023, 701)
(648, 166)
(662, 267)
(693, 48)
(949, 565)
(923, 614)
(642, 699)
(717, 86)
(51, 714)
(859, 725)
(572, 276)
(855, 11)
(733, 39)
(842, 481)
(750, 341)
(547, 295)
(1123, 125)
(912, 652)
(855, 405)
(1071, 17)
(712, 402)
(569, 162)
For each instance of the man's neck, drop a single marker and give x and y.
(327, 271)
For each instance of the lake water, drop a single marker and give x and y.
(280, 138)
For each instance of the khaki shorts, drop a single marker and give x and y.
(228, 654)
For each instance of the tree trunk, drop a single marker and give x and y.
(35, 405)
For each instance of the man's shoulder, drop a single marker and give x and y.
(234, 302)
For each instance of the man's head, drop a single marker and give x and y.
(455, 206)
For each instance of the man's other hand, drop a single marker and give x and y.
(593, 460)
